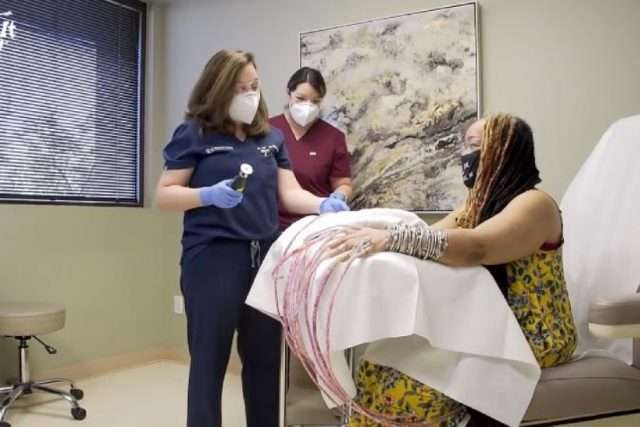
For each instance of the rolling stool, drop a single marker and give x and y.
(24, 321)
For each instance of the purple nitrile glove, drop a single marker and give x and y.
(331, 204)
(220, 195)
(338, 195)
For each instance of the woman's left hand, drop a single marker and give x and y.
(332, 204)
(358, 243)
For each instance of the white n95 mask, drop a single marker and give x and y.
(244, 106)
(304, 113)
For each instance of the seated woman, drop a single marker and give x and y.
(507, 225)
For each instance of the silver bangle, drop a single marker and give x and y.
(417, 240)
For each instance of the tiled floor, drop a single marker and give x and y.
(155, 396)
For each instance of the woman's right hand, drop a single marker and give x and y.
(358, 243)
(220, 195)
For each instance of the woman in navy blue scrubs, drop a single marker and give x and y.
(227, 231)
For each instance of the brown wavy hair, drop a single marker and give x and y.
(213, 92)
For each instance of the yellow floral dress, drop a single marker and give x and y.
(537, 294)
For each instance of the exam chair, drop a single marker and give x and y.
(577, 391)
(601, 256)
(593, 387)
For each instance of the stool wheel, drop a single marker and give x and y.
(77, 413)
(77, 393)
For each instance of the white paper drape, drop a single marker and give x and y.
(447, 327)
(601, 212)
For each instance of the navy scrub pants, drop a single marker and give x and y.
(215, 283)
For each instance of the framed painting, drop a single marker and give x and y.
(403, 89)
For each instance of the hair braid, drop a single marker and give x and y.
(507, 168)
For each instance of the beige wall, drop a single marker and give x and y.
(113, 268)
(570, 67)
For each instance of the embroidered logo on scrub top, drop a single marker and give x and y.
(223, 148)
(268, 150)
(312, 153)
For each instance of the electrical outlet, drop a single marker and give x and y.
(178, 304)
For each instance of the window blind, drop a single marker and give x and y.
(71, 101)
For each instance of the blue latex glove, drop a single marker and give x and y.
(338, 195)
(331, 204)
(220, 195)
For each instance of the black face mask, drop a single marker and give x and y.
(470, 162)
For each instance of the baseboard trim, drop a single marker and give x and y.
(120, 362)
(106, 365)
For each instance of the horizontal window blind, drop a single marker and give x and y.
(71, 101)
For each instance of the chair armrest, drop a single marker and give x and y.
(615, 317)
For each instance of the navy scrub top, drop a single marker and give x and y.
(218, 156)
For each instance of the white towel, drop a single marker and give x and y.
(447, 327)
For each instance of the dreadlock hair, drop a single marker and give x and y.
(507, 168)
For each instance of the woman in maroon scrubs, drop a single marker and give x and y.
(317, 151)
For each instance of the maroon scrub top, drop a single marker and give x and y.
(319, 155)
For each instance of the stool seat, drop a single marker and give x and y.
(18, 319)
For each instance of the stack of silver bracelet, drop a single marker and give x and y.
(417, 240)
